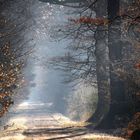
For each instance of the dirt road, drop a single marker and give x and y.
(33, 121)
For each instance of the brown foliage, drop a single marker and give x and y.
(9, 75)
(133, 125)
(89, 20)
(137, 66)
(10, 70)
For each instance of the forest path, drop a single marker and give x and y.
(34, 121)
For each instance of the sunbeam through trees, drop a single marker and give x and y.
(70, 69)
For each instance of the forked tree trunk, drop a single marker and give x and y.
(119, 107)
(112, 113)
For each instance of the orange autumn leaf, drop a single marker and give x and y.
(137, 66)
(129, 132)
(88, 20)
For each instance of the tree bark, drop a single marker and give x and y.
(119, 107)
(102, 68)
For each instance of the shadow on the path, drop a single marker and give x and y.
(57, 133)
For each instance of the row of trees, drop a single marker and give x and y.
(13, 49)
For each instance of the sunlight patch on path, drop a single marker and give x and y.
(100, 137)
(17, 137)
(33, 105)
(15, 130)
(49, 126)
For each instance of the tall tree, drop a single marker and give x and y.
(109, 48)
(102, 67)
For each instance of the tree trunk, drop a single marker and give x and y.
(118, 107)
(102, 69)
(111, 90)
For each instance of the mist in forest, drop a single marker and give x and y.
(70, 65)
